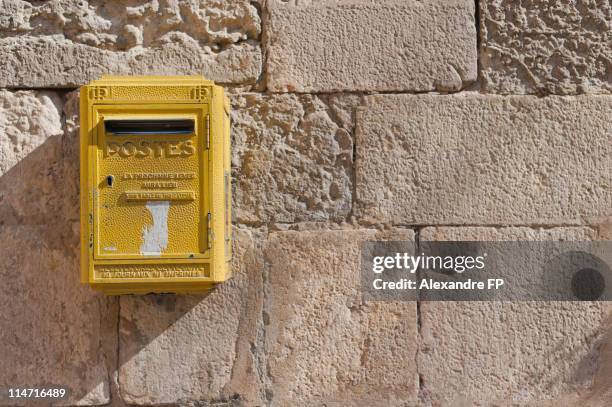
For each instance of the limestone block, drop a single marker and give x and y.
(34, 156)
(292, 159)
(487, 160)
(538, 46)
(183, 348)
(53, 330)
(65, 43)
(509, 353)
(27, 120)
(324, 344)
(327, 46)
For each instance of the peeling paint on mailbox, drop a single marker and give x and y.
(155, 189)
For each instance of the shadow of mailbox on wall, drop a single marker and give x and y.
(155, 184)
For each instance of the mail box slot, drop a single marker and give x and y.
(169, 126)
(155, 184)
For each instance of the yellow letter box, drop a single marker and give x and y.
(155, 184)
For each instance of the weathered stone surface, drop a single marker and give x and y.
(292, 159)
(176, 349)
(34, 158)
(605, 229)
(538, 46)
(474, 159)
(65, 43)
(490, 234)
(371, 46)
(53, 330)
(27, 120)
(70, 155)
(509, 353)
(324, 345)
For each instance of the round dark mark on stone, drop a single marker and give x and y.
(588, 284)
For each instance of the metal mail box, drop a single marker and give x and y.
(155, 184)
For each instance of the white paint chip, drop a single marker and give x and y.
(155, 236)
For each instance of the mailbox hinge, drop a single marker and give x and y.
(207, 132)
(209, 235)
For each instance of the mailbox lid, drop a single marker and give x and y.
(151, 181)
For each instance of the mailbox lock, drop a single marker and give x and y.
(109, 180)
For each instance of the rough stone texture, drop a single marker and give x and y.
(52, 329)
(27, 119)
(324, 345)
(509, 353)
(605, 228)
(541, 46)
(181, 348)
(292, 159)
(38, 163)
(488, 160)
(327, 46)
(65, 43)
(71, 152)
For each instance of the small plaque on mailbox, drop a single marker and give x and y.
(155, 198)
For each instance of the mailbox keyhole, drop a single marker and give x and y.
(109, 180)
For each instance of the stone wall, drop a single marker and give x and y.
(353, 120)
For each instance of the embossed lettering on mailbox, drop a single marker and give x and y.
(154, 181)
